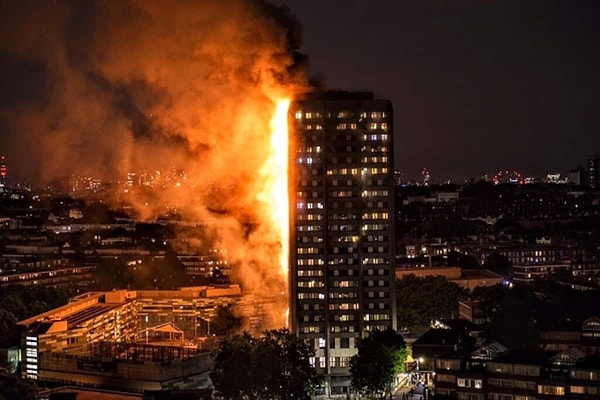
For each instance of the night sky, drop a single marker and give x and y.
(477, 85)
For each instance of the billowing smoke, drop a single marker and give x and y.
(102, 88)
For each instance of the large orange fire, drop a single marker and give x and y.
(202, 101)
(275, 174)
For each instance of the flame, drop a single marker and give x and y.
(275, 176)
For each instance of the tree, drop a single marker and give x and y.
(233, 368)
(422, 300)
(381, 356)
(273, 366)
(16, 388)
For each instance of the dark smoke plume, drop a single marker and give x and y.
(102, 88)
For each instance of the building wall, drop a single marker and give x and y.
(342, 230)
(119, 316)
(122, 374)
(495, 380)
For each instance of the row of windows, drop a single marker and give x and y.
(309, 228)
(372, 126)
(311, 296)
(374, 193)
(311, 273)
(355, 171)
(380, 249)
(311, 284)
(316, 127)
(316, 318)
(344, 114)
(310, 239)
(376, 182)
(342, 317)
(381, 295)
(376, 215)
(586, 375)
(343, 261)
(375, 227)
(376, 137)
(584, 389)
(336, 343)
(344, 295)
(506, 383)
(343, 250)
(340, 261)
(342, 227)
(313, 182)
(469, 383)
(308, 160)
(309, 250)
(336, 182)
(541, 389)
(342, 193)
(343, 329)
(375, 159)
(344, 306)
(374, 149)
(344, 284)
(309, 205)
(380, 271)
(374, 238)
(309, 149)
(375, 260)
(310, 217)
(312, 329)
(379, 283)
(376, 317)
(314, 307)
(351, 206)
(347, 239)
(340, 362)
(306, 194)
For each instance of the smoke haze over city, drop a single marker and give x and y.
(105, 88)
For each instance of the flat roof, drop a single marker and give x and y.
(91, 394)
(479, 273)
(89, 313)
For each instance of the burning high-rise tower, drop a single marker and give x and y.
(342, 244)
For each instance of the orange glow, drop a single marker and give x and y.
(275, 176)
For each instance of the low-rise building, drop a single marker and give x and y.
(495, 373)
(102, 338)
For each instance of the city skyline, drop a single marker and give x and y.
(477, 87)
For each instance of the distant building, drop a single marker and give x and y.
(495, 373)
(465, 278)
(342, 241)
(66, 276)
(594, 171)
(3, 172)
(584, 336)
(575, 177)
